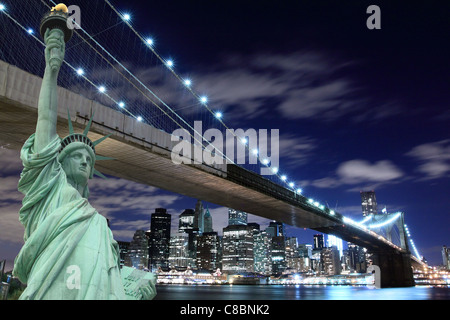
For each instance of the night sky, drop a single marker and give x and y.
(357, 109)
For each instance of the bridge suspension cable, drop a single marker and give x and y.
(194, 136)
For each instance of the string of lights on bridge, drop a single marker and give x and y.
(169, 63)
(203, 100)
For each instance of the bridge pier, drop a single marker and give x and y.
(395, 269)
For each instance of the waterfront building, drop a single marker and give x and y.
(278, 253)
(331, 261)
(207, 257)
(186, 224)
(446, 257)
(237, 249)
(137, 252)
(357, 258)
(159, 239)
(262, 253)
(337, 242)
(179, 252)
(123, 251)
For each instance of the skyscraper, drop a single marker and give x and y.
(318, 241)
(262, 252)
(178, 252)
(368, 202)
(207, 251)
(207, 221)
(199, 216)
(275, 229)
(159, 239)
(236, 217)
(237, 251)
(446, 257)
(137, 251)
(187, 224)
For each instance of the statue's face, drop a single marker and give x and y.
(78, 165)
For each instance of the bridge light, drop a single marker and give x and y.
(283, 178)
(203, 99)
(139, 118)
(291, 184)
(244, 140)
(218, 115)
(311, 201)
(80, 71)
(316, 204)
(121, 104)
(332, 212)
(265, 161)
(149, 41)
(2, 7)
(126, 17)
(322, 207)
(255, 151)
(102, 89)
(169, 63)
(187, 82)
(30, 31)
(274, 169)
(299, 190)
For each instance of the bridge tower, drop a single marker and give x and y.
(395, 266)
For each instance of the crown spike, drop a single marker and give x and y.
(88, 127)
(100, 158)
(98, 173)
(101, 139)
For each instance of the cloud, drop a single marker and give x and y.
(299, 85)
(360, 173)
(434, 159)
(357, 171)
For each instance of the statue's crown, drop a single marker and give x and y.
(82, 138)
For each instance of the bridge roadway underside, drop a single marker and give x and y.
(150, 165)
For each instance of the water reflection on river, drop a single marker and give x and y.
(298, 292)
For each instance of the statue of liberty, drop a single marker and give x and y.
(69, 251)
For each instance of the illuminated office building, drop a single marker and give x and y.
(262, 253)
(208, 251)
(446, 257)
(236, 217)
(137, 252)
(237, 249)
(368, 203)
(318, 241)
(179, 252)
(331, 261)
(159, 239)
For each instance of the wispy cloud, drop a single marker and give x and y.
(433, 159)
(360, 174)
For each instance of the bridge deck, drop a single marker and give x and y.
(143, 154)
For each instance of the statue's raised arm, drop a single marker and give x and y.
(48, 98)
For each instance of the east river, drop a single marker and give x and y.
(298, 292)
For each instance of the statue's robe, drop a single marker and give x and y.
(69, 250)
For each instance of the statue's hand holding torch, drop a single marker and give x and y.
(55, 49)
